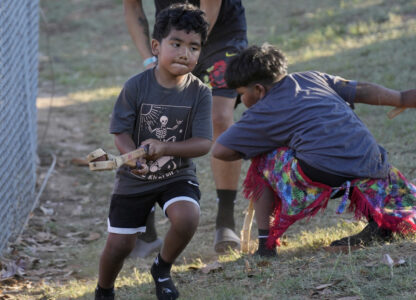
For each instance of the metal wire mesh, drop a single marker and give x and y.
(18, 90)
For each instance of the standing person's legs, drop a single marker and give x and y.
(211, 70)
(226, 176)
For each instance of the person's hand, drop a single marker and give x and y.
(141, 167)
(156, 148)
(131, 163)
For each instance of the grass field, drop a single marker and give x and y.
(86, 54)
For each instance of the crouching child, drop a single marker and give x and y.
(307, 146)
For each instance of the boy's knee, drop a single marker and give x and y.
(119, 248)
(186, 227)
(185, 223)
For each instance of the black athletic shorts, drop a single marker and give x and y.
(128, 213)
(213, 62)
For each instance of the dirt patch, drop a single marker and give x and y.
(61, 223)
(66, 232)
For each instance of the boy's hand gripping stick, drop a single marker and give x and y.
(99, 160)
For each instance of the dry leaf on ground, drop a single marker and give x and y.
(92, 237)
(46, 211)
(341, 249)
(212, 267)
(387, 260)
(325, 285)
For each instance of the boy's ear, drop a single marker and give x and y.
(155, 47)
(260, 90)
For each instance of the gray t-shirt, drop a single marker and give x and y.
(146, 110)
(311, 113)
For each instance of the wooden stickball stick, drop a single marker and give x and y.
(246, 231)
(99, 160)
(394, 112)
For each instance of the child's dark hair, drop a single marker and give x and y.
(264, 65)
(180, 17)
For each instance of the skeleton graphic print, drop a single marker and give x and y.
(166, 123)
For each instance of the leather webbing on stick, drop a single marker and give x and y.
(96, 154)
(113, 162)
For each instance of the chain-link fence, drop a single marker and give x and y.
(18, 89)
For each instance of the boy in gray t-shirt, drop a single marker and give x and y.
(227, 36)
(307, 146)
(168, 110)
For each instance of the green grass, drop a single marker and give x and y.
(367, 40)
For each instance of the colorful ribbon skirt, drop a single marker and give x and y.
(391, 202)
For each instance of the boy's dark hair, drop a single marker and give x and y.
(180, 17)
(264, 65)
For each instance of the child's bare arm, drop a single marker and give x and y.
(211, 9)
(137, 24)
(370, 93)
(192, 147)
(224, 153)
(124, 142)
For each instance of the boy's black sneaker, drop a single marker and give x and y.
(100, 295)
(372, 232)
(165, 289)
